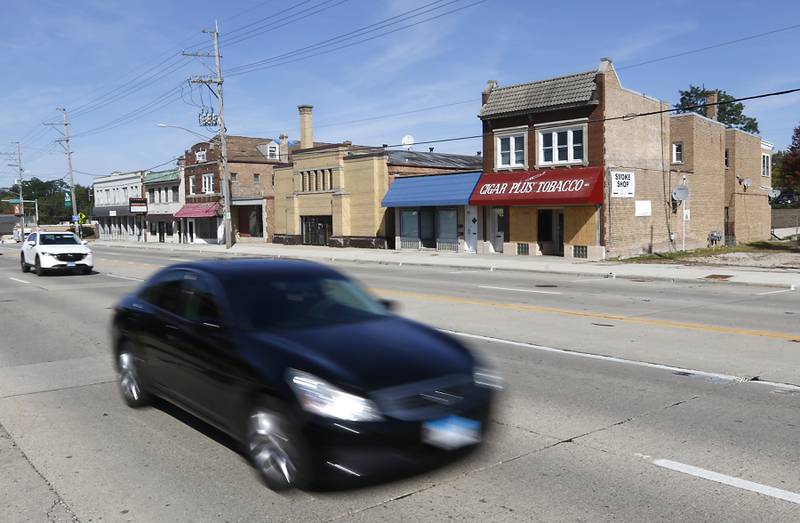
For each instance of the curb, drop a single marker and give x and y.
(490, 268)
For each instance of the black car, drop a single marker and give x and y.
(313, 375)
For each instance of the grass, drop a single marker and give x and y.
(763, 247)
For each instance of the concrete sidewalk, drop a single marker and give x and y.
(781, 278)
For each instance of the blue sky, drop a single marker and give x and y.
(68, 54)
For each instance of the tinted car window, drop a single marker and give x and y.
(200, 303)
(300, 302)
(165, 291)
(59, 239)
(32, 237)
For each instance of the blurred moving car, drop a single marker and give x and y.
(45, 251)
(313, 375)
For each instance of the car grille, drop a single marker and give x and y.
(70, 257)
(443, 394)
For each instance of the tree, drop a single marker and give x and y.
(731, 114)
(777, 169)
(50, 194)
(790, 167)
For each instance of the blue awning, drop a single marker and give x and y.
(431, 190)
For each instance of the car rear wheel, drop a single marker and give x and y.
(25, 267)
(274, 447)
(130, 384)
(38, 267)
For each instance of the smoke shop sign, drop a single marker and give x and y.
(555, 186)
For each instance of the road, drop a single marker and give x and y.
(625, 400)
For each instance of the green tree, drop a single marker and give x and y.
(50, 194)
(777, 168)
(731, 114)
(790, 164)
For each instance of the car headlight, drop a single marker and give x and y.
(320, 397)
(47, 254)
(486, 378)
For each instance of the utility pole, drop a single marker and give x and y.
(217, 80)
(21, 199)
(68, 150)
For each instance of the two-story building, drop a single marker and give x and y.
(164, 193)
(748, 181)
(580, 166)
(331, 194)
(112, 206)
(250, 164)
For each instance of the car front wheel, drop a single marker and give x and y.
(130, 384)
(38, 267)
(25, 267)
(274, 447)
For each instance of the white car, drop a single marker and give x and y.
(55, 251)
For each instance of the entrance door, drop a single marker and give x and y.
(471, 229)
(162, 231)
(191, 231)
(498, 224)
(427, 228)
(317, 230)
(558, 233)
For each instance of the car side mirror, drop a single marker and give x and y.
(84, 242)
(32, 244)
(389, 305)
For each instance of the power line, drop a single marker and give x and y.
(708, 47)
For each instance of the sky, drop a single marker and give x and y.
(117, 69)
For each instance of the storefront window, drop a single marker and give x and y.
(448, 224)
(409, 223)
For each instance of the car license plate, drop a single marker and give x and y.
(70, 264)
(451, 432)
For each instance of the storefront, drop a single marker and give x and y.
(432, 212)
(119, 223)
(545, 212)
(201, 223)
(248, 217)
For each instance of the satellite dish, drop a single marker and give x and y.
(747, 182)
(680, 193)
(774, 193)
(407, 141)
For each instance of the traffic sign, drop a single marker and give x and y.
(67, 200)
(74, 218)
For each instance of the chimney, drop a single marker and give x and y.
(306, 129)
(605, 64)
(490, 85)
(712, 110)
(283, 147)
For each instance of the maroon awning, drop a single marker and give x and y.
(583, 185)
(199, 210)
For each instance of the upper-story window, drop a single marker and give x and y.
(727, 159)
(191, 185)
(765, 165)
(152, 193)
(174, 193)
(562, 145)
(510, 146)
(677, 152)
(200, 156)
(257, 177)
(233, 177)
(208, 183)
(272, 151)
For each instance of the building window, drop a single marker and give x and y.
(562, 145)
(200, 156)
(191, 185)
(272, 151)
(233, 177)
(727, 159)
(510, 150)
(174, 193)
(257, 178)
(677, 152)
(765, 166)
(152, 193)
(409, 223)
(273, 179)
(208, 183)
(124, 193)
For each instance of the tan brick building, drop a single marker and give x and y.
(571, 169)
(330, 194)
(748, 181)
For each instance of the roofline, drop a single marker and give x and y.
(697, 115)
(546, 109)
(422, 175)
(558, 77)
(744, 132)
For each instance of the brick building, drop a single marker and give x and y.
(250, 165)
(330, 194)
(570, 170)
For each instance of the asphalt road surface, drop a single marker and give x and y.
(625, 400)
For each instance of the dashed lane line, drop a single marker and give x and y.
(512, 289)
(17, 280)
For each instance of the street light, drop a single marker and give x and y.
(225, 189)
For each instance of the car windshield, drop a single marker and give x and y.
(58, 239)
(301, 302)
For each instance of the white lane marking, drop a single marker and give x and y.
(589, 279)
(111, 253)
(17, 279)
(516, 290)
(766, 490)
(123, 277)
(467, 271)
(773, 292)
(614, 359)
(179, 259)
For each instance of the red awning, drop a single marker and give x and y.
(582, 185)
(199, 210)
